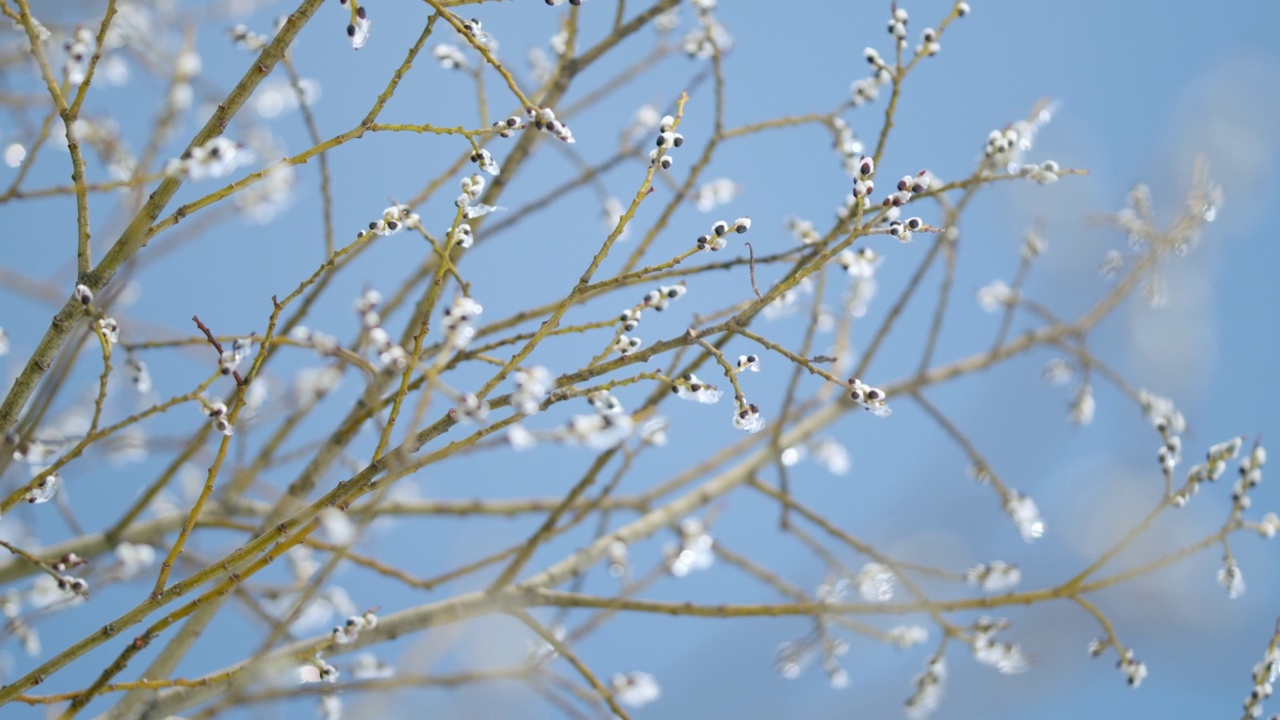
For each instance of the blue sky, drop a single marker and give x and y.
(1142, 89)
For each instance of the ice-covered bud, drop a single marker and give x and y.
(626, 345)
(449, 56)
(473, 409)
(994, 576)
(635, 689)
(691, 388)
(630, 320)
(747, 418)
(1134, 671)
(358, 29)
(872, 398)
(138, 374)
(1269, 525)
(1025, 515)
(711, 243)
(110, 330)
(532, 387)
(79, 48)
(668, 139)
(1226, 450)
(616, 554)
(875, 583)
(485, 159)
(1230, 578)
(996, 296)
(44, 490)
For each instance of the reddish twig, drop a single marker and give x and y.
(216, 346)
